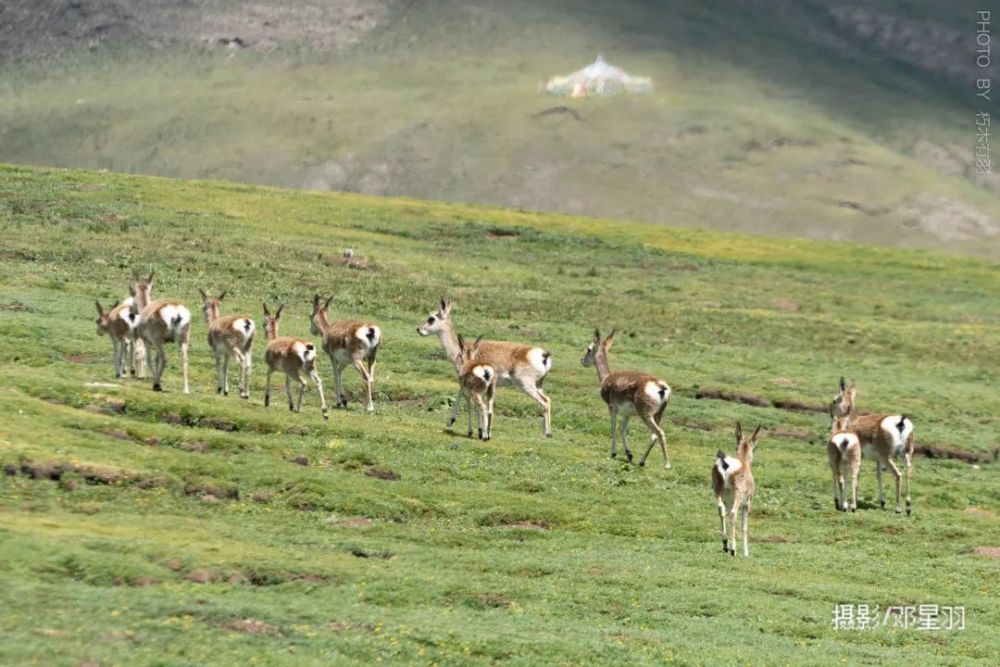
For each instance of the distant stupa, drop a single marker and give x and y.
(600, 79)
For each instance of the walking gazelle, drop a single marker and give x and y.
(883, 437)
(348, 342)
(478, 382)
(294, 357)
(120, 323)
(629, 393)
(160, 322)
(228, 336)
(521, 366)
(732, 481)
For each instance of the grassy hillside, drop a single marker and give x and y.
(785, 118)
(184, 530)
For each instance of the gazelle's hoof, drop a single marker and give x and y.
(642, 464)
(326, 415)
(899, 510)
(370, 408)
(614, 455)
(732, 552)
(451, 422)
(881, 504)
(629, 455)
(218, 390)
(132, 373)
(854, 508)
(549, 434)
(157, 387)
(666, 466)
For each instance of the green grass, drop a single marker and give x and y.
(183, 516)
(756, 124)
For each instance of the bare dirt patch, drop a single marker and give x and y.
(214, 490)
(492, 601)
(532, 524)
(382, 473)
(251, 626)
(989, 552)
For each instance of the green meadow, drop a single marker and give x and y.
(170, 529)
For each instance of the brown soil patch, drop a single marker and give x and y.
(382, 473)
(172, 418)
(119, 434)
(200, 576)
(734, 396)
(493, 601)
(797, 435)
(195, 447)
(980, 511)
(946, 452)
(251, 626)
(299, 460)
(208, 489)
(54, 471)
(989, 552)
(532, 524)
(798, 406)
(262, 497)
(493, 235)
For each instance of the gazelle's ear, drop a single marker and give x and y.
(756, 434)
(445, 306)
(597, 335)
(610, 340)
(475, 346)
(326, 305)
(223, 295)
(277, 315)
(316, 298)
(461, 344)
(114, 305)
(843, 384)
(150, 278)
(853, 384)
(100, 309)
(267, 313)
(203, 293)
(739, 434)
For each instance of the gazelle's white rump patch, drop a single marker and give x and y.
(540, 360)
(845, 441)
(171, 312)
(245, 327)
(898, 439)
(732, 465)
(484, 372)
(369, 335)
(305, 351)
(657, 391)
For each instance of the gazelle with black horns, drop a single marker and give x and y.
(160, 322)
(294, 357)
(347, 343)
(629, 393)
(228, 336)
(884, 437)
(521, 366)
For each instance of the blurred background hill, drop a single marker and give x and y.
(818, 118)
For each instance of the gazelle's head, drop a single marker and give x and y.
(319, 309)
(209, 306)
(597, 347)
(103, 318)
(141, 290)
(438, 320)
(271, 322)
(843, 403)
(745, 447)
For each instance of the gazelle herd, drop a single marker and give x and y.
(140, 325)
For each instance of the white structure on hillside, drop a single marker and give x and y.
(600, 79)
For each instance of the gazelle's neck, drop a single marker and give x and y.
(212, 313)
(322, 321)
(271, 330)
(449, 342)
(601, 363)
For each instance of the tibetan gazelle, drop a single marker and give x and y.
(843, 452)
(120, 323)
(629, 393)
(521, 366)
(347, 343)
(732, 481)
(228, 336)
(478, 383)
(883, 437)
(294, 357)
(160, 322)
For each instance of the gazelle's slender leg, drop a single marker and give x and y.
(150, 365)
(530, 389)
(547, 423)
(614, 431)
(369, 407)
(184, 362)
(117, 346)
(288, 390)
(732, 529)
(218, 373)
(878, 475)
(314, 376)
(895, 473)
(855, 474)
(657, 435)
(225, 375)
(490, 395)
(161, 362)
(338, 374)
(481, 406)
(722, 518)
(302, 390)
(623, 435)
(909, 471)
(838, 488)
(469, 408)
(267, 387)
(746, 546)
(141, 357)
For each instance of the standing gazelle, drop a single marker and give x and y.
(294, 357)
(521, 366)
(120, 324)
(732, 481)
(228, 336)
(478, 383)
(629, 393)
(160, 322)
(884, 437)
(843, 451)
(348, 342)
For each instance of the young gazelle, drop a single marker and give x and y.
(629, 393)
(478, 383)
(521, 366)
(883, 437)
(348, 342)
(843, 451)
(228, 336)
(160, 322)
(120, 324)
(294, 357)
(732, 481)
